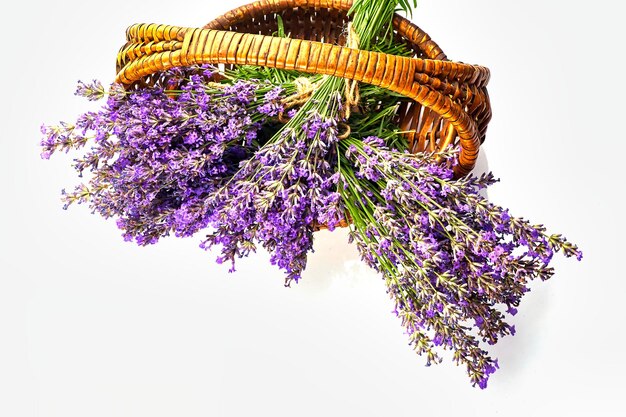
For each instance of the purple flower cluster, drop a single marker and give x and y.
(278, 197)
(200, 154)
(452, 261)
(158, 154)
(273, 103)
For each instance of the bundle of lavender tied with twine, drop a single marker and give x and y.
(263, 157)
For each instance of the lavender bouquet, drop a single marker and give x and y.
(262, 157)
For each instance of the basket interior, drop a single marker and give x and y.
(327, 25)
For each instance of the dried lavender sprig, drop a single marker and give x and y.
(158, 153)
(449, 257)
(279, 194)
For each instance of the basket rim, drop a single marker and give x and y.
(404, 27)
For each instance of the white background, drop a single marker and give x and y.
(92, 326)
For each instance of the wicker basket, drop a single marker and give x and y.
(449, 103)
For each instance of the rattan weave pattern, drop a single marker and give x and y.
(450, 99)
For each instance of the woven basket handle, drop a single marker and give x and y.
(153, 48)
